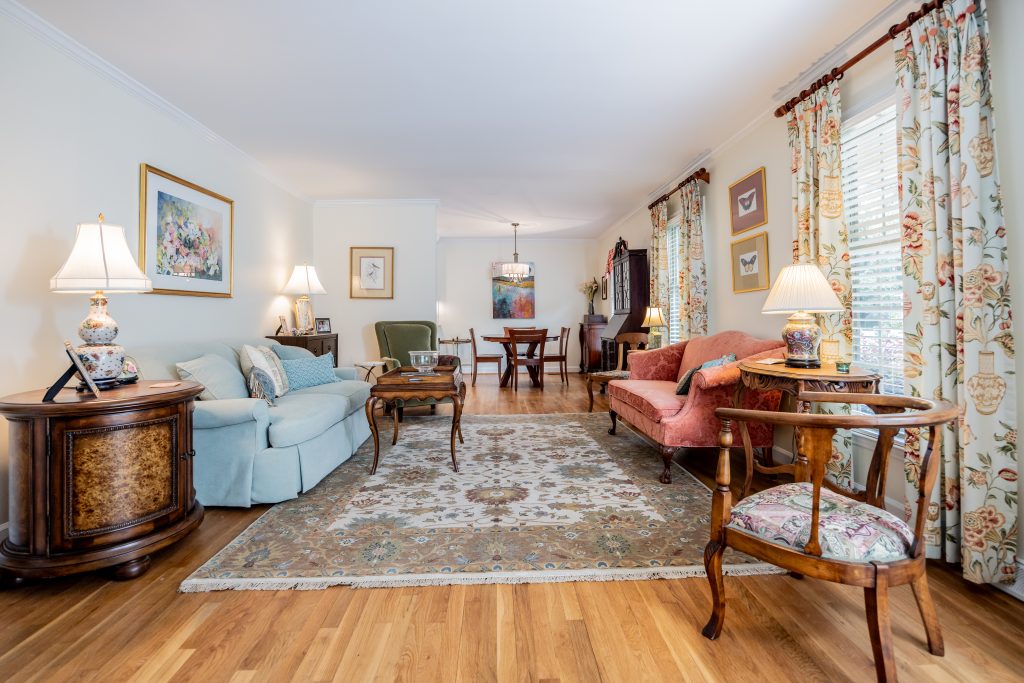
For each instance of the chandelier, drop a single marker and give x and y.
(515, 270)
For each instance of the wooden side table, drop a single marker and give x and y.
(98, 482)
(794, 381)
(405, 383)
(317, 344)
(602, 378)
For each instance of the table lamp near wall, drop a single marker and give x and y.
(304, 282)
(802, 290)
(654, 320)
(100, 262)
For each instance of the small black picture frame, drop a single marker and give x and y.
(604, 287)
(322, 325)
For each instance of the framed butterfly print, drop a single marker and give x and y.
(748, 202)
(750, 264)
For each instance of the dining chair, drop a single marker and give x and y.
(527, 351)
(626, 342)
(482, 357)
(562, 357)
(816, 528)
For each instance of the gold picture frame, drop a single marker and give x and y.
(750, 188)
(371, 273)
(750, 268)
(207, 270)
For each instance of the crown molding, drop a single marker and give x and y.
(321, 203)
(69, 47)
(890, 15)
(884, 18)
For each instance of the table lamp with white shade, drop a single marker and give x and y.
(100, 262)
(654, 320)
(304, 282)
(801, 290)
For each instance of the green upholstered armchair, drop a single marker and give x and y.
(396, 338)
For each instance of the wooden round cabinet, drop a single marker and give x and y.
(98, 482)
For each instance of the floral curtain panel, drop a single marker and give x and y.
(659, 257)
(819, 229)
(959, 342)
(693, 278)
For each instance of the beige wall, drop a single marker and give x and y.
(71, 143)
(408, 226)
(1006, 18)
(464, 287)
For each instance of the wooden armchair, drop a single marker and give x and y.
(833, 534)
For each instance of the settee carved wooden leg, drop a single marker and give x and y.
(666, 457)
(614, 416)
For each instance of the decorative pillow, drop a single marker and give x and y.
(262, 357)
(291, 352)
(684, 384)
(261, 386)
(310, 372)
(218, 375)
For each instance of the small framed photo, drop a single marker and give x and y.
(748, 202)
(282, 325)
(750, 271)
(82, 371)
(372, 273)
(323, 325)
(604, 287)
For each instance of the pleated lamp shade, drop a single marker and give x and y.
(304, 281)
(100, 260)
(801, 287)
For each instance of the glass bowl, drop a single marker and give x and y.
(423, 361)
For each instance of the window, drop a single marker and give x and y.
(871, 196)
(675, 331)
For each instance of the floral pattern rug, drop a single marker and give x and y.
(537, 498)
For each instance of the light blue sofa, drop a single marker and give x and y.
(249, 452)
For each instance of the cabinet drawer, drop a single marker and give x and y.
(330, 346)
(315, 346)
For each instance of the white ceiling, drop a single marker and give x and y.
(564, 115)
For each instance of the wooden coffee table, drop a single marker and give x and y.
(406, 383)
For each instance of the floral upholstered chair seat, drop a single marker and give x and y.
(849, 530)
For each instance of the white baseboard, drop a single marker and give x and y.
(1016, 589)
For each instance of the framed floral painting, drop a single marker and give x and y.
(185, 236)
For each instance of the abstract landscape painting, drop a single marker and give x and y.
(511, 299)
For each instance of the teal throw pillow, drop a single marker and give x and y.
(684, 384)
(219, 377)
(310, 372)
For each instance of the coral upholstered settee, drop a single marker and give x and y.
(648, 400)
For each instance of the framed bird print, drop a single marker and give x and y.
(372, 273)
(748, 202)
(750, 264)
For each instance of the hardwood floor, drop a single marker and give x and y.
(776, 628)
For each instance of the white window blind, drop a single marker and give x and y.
(871, 197)
(675, 332)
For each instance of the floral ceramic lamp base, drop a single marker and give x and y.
(803, 337)
(304, 315)
(103, 359)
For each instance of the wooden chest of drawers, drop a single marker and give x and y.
(317, 344)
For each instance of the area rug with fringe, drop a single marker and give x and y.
(537, 498)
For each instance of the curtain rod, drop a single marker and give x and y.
(700, 174)
(836, 74)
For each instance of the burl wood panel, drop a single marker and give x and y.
(118, 476)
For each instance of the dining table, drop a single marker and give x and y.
(531, 350)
